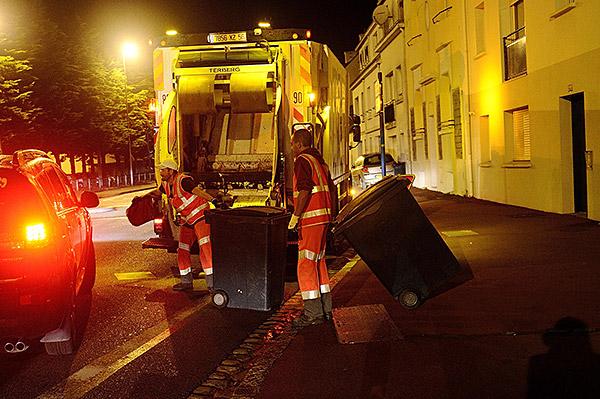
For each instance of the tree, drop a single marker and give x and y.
(15, 109)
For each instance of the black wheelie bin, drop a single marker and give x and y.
(249, 254)
(388, 229)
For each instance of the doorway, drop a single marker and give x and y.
(578, 140)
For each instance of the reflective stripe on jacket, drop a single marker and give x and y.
(190, 206)
(318, 210)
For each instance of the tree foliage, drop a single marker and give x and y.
(61, 92)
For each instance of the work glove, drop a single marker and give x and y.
(293, 222)
(218, 203)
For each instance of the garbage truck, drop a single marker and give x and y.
(227, 104)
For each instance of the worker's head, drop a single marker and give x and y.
(167, 168)
(301, 140)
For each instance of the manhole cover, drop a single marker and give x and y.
(362, 324)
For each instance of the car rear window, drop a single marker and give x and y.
(18, 199)
(376, 159)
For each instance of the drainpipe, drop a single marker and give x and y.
(406, 105)
(470, 114)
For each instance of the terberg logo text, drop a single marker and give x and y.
(224, 70)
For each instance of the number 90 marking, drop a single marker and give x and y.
(297, 97)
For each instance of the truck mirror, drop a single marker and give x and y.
(355, 129)
(355, 133)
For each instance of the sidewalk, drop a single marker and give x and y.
(123, 190)
(523, 271)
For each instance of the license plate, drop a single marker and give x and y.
(227, 37)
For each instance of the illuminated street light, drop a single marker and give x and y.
(171, 32)
(129, 50)
(264, 24)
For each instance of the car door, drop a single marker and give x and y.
(71, 214)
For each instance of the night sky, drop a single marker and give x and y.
(335, 23)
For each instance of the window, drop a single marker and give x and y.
(401, 10)
(517, 11)
(515, 45)
(480, 28)
(356, 106)
(517, 139)
(521, 131)
(398, 81)
(388, 87)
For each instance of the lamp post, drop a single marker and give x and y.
(129, 50)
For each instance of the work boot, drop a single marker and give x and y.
(326, 301)
(210, 283)
(187, 283)
(313, 314)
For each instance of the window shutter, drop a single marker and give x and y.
(522, 137)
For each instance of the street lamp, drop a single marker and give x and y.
(129, 50)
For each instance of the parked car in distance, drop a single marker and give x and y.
(47, 256)
(366, 170)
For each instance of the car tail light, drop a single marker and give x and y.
(37, 235)
(365, 169)
(36, 232)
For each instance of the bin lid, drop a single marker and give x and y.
(369, 196)
(253, 211)
(247, 214)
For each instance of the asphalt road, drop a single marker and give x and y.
(139, 339)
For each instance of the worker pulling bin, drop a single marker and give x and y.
(249, 255)
(388, 229)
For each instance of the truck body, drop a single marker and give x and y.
(228, 103)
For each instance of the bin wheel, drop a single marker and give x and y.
(220, 299)
(410, 298)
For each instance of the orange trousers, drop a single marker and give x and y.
(313, 277)
(187, 236)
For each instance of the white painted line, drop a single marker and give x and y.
(89, 377)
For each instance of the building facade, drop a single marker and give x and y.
(380, 52)
(503, 100)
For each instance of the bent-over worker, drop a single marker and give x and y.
(190, 201)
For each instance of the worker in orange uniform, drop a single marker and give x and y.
(190, 201)
(313, 210)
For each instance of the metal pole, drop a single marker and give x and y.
(381, 123)
(127, 124)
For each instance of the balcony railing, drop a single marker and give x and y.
(515, 54)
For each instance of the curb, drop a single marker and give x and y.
(242, 373)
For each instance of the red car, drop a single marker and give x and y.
(46, 252)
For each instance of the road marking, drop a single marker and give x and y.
(89, 377)
(460, 233)
(134, 276)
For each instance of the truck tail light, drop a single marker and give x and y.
(158, 225)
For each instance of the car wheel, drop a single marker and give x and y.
(89, 278)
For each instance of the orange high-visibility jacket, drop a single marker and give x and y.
(190, 206)
(318, 210)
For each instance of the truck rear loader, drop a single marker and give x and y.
(227, 105)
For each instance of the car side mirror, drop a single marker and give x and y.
(89, 199)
